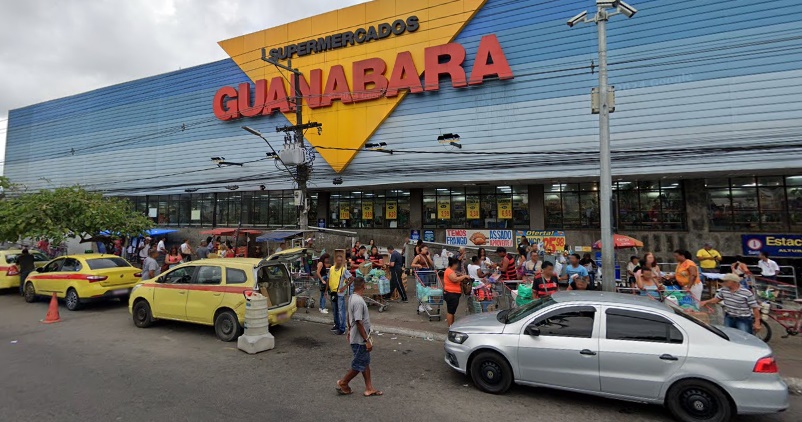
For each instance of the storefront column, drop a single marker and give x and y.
(537, 215)
(415, 208)
(322, 208)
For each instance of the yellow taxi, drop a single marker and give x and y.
(9, 271)
(79, 279)
(212, 292)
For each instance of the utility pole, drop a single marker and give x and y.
(303, 169)
(605, 166)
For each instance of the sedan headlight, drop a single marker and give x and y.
(456, 337)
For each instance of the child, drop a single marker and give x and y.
(632, 268)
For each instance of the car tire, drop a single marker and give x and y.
(72, 300)
(143, 318)
(491, 373)
(764, 333)
(698, 401)
(29, 292)
(226, 326)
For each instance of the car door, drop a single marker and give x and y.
(638, 352)
(43, 283)
(68, 272)
(205, 293)
(560, 348)
(170, 295)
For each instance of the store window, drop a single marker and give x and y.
(502, 207)
(369, 209)
(755, 203)
(641, 205)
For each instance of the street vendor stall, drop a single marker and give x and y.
(619, 242)
(240, 251)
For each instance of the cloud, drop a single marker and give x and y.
(55, 49)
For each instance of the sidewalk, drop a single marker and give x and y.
(403, 319)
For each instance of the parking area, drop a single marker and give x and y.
(96, 365)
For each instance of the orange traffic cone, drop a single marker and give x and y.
(52, 311)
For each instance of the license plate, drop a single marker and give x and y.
(283, 317)
(121, 292)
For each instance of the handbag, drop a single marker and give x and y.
(466, 287)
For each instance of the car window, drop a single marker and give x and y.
(53, 266)
(568, 322)
(640, 326)
(71, 264)
(181, 275)
(208, 274)
(235, 276)
(521, 312)
(103, 263)
(678, 311)
(276, 280)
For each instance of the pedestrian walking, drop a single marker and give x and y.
(360, 339)
(27, 265)
(186, 251)
(203, 250)
(144, 250)
(741, 310)
(687, 274)
(322, 275)
(150, 267)
(768, 268)
(339, 282)
(396, 267)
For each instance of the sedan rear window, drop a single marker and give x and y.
(104, 263)
(37, 257)
(699, 322)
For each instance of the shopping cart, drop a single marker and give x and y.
(306, 289)
(429, 291)
(377, 286)
(482, 298)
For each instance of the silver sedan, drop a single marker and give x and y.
(620, 346)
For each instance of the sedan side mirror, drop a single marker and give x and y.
(40, 270)
(532, 330)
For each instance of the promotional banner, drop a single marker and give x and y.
(483, 238)
(504, 208)
(443, 208)
(473, 211)
(428, 235)
(553, 240)
(392, 210)
(345, 211)
(367, 210)
(776, 245)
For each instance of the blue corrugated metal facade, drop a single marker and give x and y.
(713, 76)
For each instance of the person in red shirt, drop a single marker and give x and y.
(545, 284)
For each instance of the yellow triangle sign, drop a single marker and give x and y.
(350, 120)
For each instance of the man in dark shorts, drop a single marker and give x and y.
(361, 346)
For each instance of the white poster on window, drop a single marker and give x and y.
(153, 212)
(195, 215)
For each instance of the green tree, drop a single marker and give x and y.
(66, 212)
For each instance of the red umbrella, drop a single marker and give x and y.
(621, 242)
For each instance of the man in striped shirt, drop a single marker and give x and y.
(741, 310)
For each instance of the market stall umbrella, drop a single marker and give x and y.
(219, 232)
(621, 242)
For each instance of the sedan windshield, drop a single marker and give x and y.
(679, 311)
(525, 310)
(103, 263)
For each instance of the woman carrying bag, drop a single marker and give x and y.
(453, 288)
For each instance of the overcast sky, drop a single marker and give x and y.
(54, 48)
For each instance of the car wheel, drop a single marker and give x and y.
(72, 301)
(143, 318)
(226, 326)
(698, 401)
(491, 373)
(764, 333)
(29, 292)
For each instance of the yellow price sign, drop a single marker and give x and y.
(391, 210)
(505, 208)
(444, 208)
(473, 211)
(345, 211)
(367, 210)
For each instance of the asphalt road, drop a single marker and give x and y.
(97, 366)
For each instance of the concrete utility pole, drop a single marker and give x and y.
(605, 166)
(303, 169)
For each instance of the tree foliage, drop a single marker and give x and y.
(66, 212)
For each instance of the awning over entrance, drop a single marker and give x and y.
(278, 235)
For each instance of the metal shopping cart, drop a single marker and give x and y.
(429, 291)
(377, 286)
(306, 289)
(482, 299)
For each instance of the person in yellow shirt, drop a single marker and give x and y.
(339, 282)
(709, 260)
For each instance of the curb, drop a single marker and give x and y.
(425, 335)
(794, 385)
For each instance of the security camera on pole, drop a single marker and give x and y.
(601, 17)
